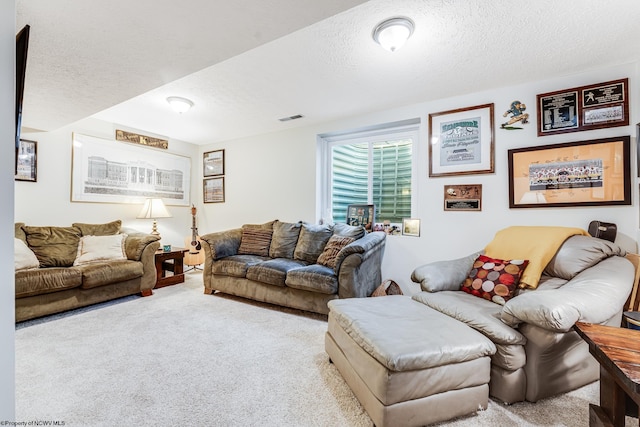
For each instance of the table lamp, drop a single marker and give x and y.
(154, 209)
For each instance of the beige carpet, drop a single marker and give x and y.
(183, 358)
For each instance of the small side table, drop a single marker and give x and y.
(169, 261)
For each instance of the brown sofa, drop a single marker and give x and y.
(298, 265)
(57, 285)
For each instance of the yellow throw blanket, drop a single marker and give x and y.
(538, 244)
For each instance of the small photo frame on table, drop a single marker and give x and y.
(27, 161)
(461, 141)
(584, 173)
(213, 163)
(363, 215)
(411, 227)
(213, 190)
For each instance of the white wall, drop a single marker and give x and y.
(275, 175)
(48, 201)
(7, 155)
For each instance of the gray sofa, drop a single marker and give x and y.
(297, 265)
(57, 285)
(534, 351)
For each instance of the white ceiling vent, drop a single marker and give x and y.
(296, 117)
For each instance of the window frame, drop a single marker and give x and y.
(407, 129)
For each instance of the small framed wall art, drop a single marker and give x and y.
(583, 173)
(461, 141)
(411, 227)
(213, 190)
(213, 163)
(27, 161)
(463, 197)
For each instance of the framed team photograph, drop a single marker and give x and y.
(584, 173)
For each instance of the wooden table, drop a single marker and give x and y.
(169, 261)
(617, 350)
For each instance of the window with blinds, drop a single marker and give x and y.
(371, 168)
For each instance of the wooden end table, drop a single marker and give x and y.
(169, 261)
(617, 350)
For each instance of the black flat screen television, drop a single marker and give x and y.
(22, 46)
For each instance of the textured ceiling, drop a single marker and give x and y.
(247, 63)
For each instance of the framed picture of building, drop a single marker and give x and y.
(107, 171)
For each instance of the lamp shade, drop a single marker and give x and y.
(154, 208)
(393, 33)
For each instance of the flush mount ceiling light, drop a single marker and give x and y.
(179, 105)
(393, 33)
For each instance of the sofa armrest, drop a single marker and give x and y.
(445, 275)
(358, 266)
(222, 244)
(148, 259)
(595, 295)
(136, 243)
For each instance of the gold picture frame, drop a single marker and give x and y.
(583, 173)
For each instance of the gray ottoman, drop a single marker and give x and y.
(408, 364)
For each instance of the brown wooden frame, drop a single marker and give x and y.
(556, 193)
(461, 115)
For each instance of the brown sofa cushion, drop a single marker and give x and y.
(274, 271)
(329, 255)
(255, 240)
(107, 229)
(313, 278)
(100, 274)
(235, 265)
(46, 280)
(54, 246)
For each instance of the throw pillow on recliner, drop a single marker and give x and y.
(494, 279)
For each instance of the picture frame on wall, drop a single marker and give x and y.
(108, 171)
(27, 161)
(213, 163)
(213, 190)
(364, 215)
(461, 141)
(583, 173)
(411, 227)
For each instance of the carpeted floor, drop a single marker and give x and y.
(183, 358)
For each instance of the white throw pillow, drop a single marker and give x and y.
(100, 248)
(23, 257)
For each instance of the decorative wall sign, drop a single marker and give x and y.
(461, 141)
(516, 114)
(108, 172)
(583, 173)
(149, 141)
(602, 105)
(213, 190)
(463, 197)
(213, 163)
(27, 161)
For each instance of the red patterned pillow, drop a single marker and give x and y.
(494, 279)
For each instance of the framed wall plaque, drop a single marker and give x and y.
(602, 105)
(584, 173)
(463, 197)
(461, 141)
